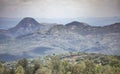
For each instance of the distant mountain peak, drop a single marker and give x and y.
(76, 23)
(115, 24)
(28, 21)
(27, 18)
(25, 26)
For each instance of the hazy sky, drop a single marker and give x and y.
(59, 8)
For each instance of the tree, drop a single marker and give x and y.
(90, 69)
(19, 70)
(7, 71)
(116, 70)
(107, 70)
(79, 68)
(68, 72)
(1, 68)
(23, 63)
(37, 65)
(29, 70)
(98, 69)
(115, 63)
(43, 71)
(65, 67)
(55, 64)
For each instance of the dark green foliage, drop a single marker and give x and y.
(29, 70)
(23, 63)
(88, 64)
(115, 63)
(78, 68)
(1, 68)
(90, 69)
(19, 70)
(55, 65)
(37, 65)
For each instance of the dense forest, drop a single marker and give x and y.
(74, 63)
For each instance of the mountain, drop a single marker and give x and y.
(83, 28)
(78, 27)
(10, 57)
(39, 39)
(77, 24)
(113, 28)
(57, 29)
(25, 26)
(74, 26)
(3, 35)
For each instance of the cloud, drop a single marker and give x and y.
(59, 8)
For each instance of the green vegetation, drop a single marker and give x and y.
(19, 70)
(75, 63)
(1, 68)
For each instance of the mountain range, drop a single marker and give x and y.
(33, 39)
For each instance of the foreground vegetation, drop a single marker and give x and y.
(77, 63)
